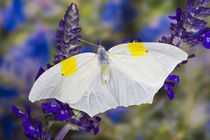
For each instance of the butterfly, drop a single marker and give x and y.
(127, 74)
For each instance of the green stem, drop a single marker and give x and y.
(62, 133)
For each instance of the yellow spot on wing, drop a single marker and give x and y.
(137, 49)
(69, 66)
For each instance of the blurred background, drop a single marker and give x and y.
(27, 41)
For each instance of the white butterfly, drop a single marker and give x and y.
(127, 74)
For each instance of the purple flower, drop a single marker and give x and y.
(192, 7)
(125, 41)
(194, 18)
(41, 70)
(67, 37)
(197, 34)
(171, 94)
(33, 127)
(88, 123)
(168, 88)
(63, 112)
(68, 34)
(168, 85)
(204, 37)
(58, 112)
(174, 78)
(13, 15)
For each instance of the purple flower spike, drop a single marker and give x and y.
(68, 35)
(97, 119)
(206, 42)
(67, 38)
(87, 123)
(28, 111)
(59, 112)
(41, 71)
(17, 112)
(49, 108)
(194, 18)
(191, 56)
(125, 41)
(171, 94)
(168, 85)
(174, 78)
(62, 115)
(33, 127)
(95, 130)
(63, 112)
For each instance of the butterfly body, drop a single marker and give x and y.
(103, 59)
(127, 74)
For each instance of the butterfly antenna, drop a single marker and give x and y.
(100, 41)
(88, 42)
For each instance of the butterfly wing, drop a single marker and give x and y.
(97, 98)
(76, 81)
(129, 90)
(149, 63)
(66, 80)
(140, 69)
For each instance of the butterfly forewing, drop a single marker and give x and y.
(66, 80)
(149, 63)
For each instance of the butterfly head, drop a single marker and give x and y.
(101, 51)
(101, 47)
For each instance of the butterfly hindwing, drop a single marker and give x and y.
(97, 98)
(128, 90)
